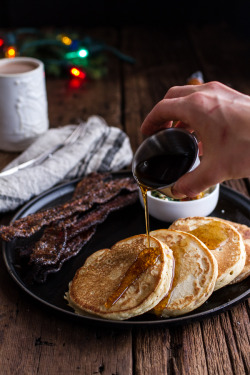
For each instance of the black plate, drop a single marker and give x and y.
(232, 206)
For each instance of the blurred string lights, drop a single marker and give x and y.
(64, 54)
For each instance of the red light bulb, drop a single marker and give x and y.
(77, 73)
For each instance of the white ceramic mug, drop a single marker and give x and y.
(23, 102)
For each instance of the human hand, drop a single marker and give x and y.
(220, 117)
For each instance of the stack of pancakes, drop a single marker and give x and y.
(177, 273)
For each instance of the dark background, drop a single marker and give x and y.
(20, 13)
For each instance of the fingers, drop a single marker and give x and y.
(181, 91)
(210, 88)
(195, 110)
(211, 111)
(162, 115)
(178, 104)
(188, 110)
(193, 183)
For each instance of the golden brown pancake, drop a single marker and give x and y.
(195, 276)
(118, 284)
(222, 239)
(244, 230)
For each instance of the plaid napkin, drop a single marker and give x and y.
(101, 148)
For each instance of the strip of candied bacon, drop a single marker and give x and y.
(77, 239)
(100, 192)
(87, 182)
(40, 272)
(100, 214)
(51, 245)
(25, 227)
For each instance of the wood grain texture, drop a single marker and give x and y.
(36, 340)
(223, 55)
(95, 97)
(159, 65)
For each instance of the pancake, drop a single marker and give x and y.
(222, 239)
(124, 281)
(195, 276)
(244, 230)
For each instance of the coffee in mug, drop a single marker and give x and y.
(23, 102)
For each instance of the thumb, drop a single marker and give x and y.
(193, 183)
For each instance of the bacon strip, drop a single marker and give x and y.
(97, 192)
(69, 226)
(51, 251)
(85, 185)
(40, 272)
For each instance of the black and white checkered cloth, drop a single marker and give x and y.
(101, 148)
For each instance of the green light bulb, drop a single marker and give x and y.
(83, 53)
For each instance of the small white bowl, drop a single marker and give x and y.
(169, 211)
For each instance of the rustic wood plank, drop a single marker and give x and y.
(239, 317)
(151, 351)
(147, 83)
(185, 350)
(100, 97)
(35, 340)
(159, 65)
(194, 351)
(32, 343)
(222, 336)
(223, 55)
(85, 350)
(18, 325)
(56, 345)
(215, 343)
(178, 350)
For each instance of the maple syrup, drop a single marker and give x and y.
(212, 234)
(158, 309)
(162, 170)
(159, 171)
(145, 259)
(144, 191)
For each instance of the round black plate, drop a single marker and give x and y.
(231, 206)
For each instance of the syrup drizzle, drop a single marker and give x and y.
(144, 191)
(212, 234)
(149, 171)
(145, 259)
(158, 309)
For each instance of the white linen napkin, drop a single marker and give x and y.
(101, 148)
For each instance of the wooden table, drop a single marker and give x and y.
(34, 340)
